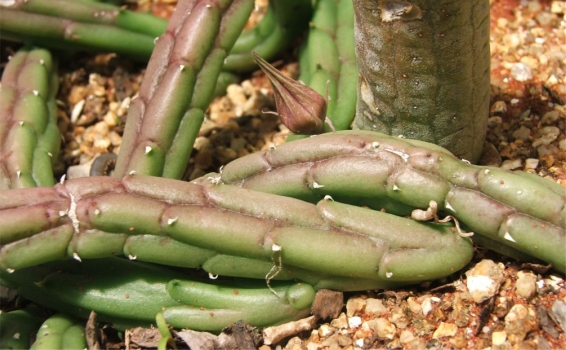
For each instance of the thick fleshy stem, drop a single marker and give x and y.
(97, 26)
(424, 71)
(163, 122)
(519, 210)
(130, 294)
(18, 328)
(81, 25)
(333, 74)
(60, 331)
(29, 137)
(97, 217)
(284, 21)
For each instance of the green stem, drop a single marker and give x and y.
(29, 136)
(179, 83)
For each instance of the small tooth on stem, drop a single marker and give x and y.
(508, 237)
(317, 185)
(448, 206)
(403, 155)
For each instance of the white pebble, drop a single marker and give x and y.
(521, 72)
(484, 279)
(354, 322)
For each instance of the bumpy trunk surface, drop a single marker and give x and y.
(424, 70)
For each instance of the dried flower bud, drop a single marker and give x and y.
(301, 109)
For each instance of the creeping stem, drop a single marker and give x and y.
(518, 210)
(164, 120)
(18, 328)
(284, 21)
(60, 331)
(29, 137)
(98, 26)
(97, 217)
(129, 294)
(333, 74)
(82, 25)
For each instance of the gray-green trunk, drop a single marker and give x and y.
(424, 71)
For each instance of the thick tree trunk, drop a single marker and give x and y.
(424, 70)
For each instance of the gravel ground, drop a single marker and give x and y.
(495, 302)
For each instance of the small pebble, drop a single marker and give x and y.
(354, 306)
(313, 346)
(519, 322)
(531, 164)
(414, 306)
(340, 322)
(549, 117)
(498, 338)
(445, 330)
(459, 341)
(375, 307)
(558, 7)
(522, 133)
(493, 122)
(399, 318)
(547, 135)
(418, 343)
(426, 306)
(559, 313)
(512, 164)
(326, 330)
(484, 279)
(354, 322)
(521, 72)
(498, 107)
(502, 307)
(406, 337)
(384, 328)
(526, 284)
